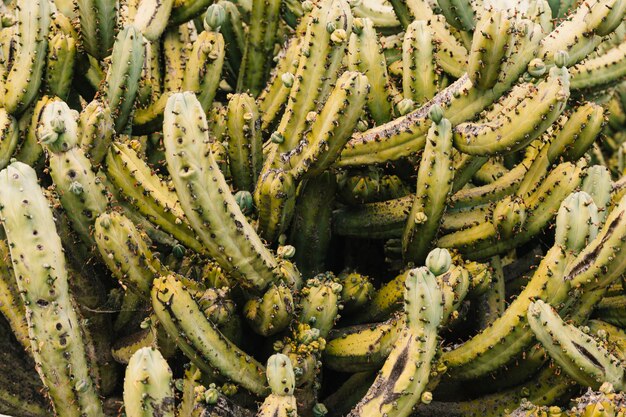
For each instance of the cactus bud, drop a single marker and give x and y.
(280, 376)
(287, 79)
(214, 17)
(509, 216)
(537, 68)
(357, 290)
(438, 261)
(244, 201)
(561, 59)
(435, 113)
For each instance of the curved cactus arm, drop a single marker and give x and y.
(152, 17)
(9, 137)
(26, 74)
(577, 353)
(320, 302)
(97, 25)
(460, 13)
(245, 143)
(125, 251)
(148, 193)
(465, 218)
(232, 29)
(186, 10)
(408, 11)
(39, 265)
(206, 200)
(420, 75)
(60, 64)
(177, 44)
(365, 55)
(199, 340)
(122, 79)
(204, 68)
(603, 71)
(259, 48)
(148, 385)
(434, 183)
(402, 380)
(380, 220)
(517, 125)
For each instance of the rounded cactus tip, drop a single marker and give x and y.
(287, 79)
(357, 26)
(537, 68)
(405, 106)
(319, 410)
(214, 18)
(280, 375)
(561, 59)
(438, 261)
(577, 221)
(244, 201)
(435, 113)
(178, 251)
(104, 220)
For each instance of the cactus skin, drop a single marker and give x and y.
(434, 183)
(185, 10)
(577, 353)
(275, 200)
(259, 48)
(148, 386)
(271, 313)
(152, 17)
(204, 67)
(282, 381)
(177, 44)
(459, 13)
(39, 265)
(22, 82)
(123, 76)
(97, 25)
(210, 208)
(601, 72)
(125, 251)
(319, 305)
(183, 320)
(11, 304)
(95, 130)
(420, 75)
(9, 137)
(357, 291)
(366, 56)
(403, 378)
(508, 335)
(245, 143)
(60, 64)
(149, 194)
(372, 185)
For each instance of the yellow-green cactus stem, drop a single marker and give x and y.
(271, 313)
(232, 29)
(600, 72)
(434, 183)
(54, 327)
(126, 252)
(258, 53)
(204, 68)
(366, 56)
(380, 220)
(186, 10)
(399, 386)
(320, 303)
(577, 353)
(9, 137)
(11, 303)
(369, 186)
(420, 75)
(280, 376)
(245, 142)
(219, 308)
(152, 17)
(177, 44)
(60, 64)
(149, 89)
(203, 344)
(95, 130)
(148, 385)
(97, 25)
(148, 193)
(356, 292)
(206, 200)
(25, 76)
(122, 80)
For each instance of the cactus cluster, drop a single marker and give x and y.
(282, 208)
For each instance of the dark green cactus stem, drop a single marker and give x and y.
(185, 10)
(95, 130)
(204, 68)
(152, 17)
(149, 194)
(22, 82)
(126, 252)
(280, 376)
(259, 49)
(206, 200)
(577, 353)
(357, 291)
(368, 186)
(611, 310)
(148, 385)
(275, 200)
(177, 45)
(60, 64)
(203, 344)
(366, 56)
(434, 183)
(402, 380)
(492, 303)
(245, 142)
(97, 25)
(381, 220)
(122, 79)
(600, 72)
(39, 266)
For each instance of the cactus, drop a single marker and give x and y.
(281, 379)
(39, 265)
(97, 25)
(271, 313)
(148, 386)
